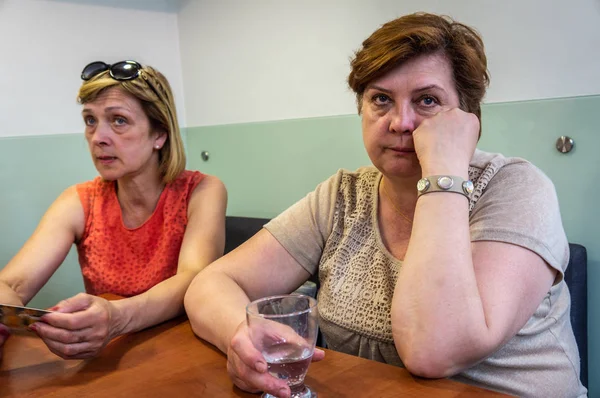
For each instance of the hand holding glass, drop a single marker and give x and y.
(284, 329)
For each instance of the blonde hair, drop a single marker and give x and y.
(153, 91)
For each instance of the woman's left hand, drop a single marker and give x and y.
(445, 143)
(80, 328)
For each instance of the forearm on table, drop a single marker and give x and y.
(437, 311)
(216, 305)
(160, 303)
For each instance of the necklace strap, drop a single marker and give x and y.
(385, 192)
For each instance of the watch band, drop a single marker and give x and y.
(444, 183)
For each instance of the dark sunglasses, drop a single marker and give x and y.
(124, 70)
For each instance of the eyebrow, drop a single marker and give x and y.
(430, 87)
(418, 90)
(378, 88)
(110, 108)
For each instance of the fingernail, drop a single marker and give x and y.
(33, 327)
(283, 393)
(261, 367)
(55, 308)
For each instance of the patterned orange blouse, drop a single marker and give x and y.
(127, 262)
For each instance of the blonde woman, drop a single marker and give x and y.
(143, 228)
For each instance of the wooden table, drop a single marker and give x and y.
(170, 361)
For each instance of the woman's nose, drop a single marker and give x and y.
(402, 119)
(101, 134)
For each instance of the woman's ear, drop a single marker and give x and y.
(161, 138)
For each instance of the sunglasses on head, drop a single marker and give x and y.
(121, 71)
(124, 70)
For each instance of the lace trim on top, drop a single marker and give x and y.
(357, 276)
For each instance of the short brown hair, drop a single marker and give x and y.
(159, 106)
(421, 33)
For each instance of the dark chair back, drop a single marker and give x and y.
(240, 229)
(576, 279)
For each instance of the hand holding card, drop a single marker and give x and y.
(79, 327)
(19, 318)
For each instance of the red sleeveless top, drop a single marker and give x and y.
(127, 262)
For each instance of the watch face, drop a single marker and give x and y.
(445, 182)
(423, 185)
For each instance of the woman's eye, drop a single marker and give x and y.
(119, 121)
(380, 99)
(89, 120)
(429, 101)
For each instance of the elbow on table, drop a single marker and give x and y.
(428, 366)
(433, 361)
(433, 355)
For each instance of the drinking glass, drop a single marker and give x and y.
(284, 329)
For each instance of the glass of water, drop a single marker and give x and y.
(284, 329)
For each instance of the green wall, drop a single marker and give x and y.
(34, 170)
(268, 166)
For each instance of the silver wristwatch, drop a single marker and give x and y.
(444, 183)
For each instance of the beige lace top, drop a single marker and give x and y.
(334, 231)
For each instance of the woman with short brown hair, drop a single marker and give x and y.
(441, 258)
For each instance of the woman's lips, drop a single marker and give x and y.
(402, 150)
(106, 159)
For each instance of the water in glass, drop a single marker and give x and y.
(284, 329)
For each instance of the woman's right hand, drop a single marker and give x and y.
(247, 367)
(4, 335)
(445, 143)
